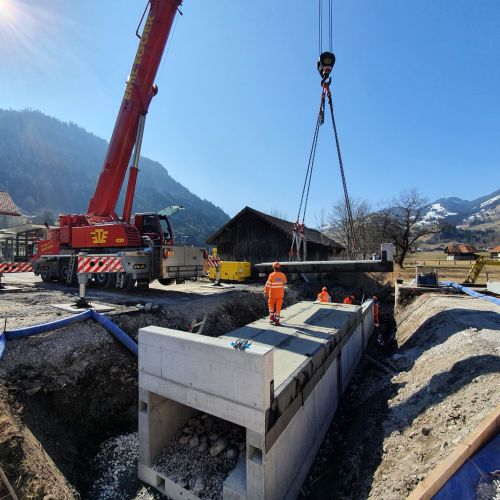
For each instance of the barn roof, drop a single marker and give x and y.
(459, 249)
(7, 206)
(312, 235)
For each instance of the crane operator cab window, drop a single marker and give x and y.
(167, 230)
(150, 227)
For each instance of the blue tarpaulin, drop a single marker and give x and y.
(476, 470)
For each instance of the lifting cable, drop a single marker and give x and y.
(298, 249)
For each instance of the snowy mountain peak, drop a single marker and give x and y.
(483, 212)
(492, 201)
(437, 211)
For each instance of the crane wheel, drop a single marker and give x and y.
(166, 281)
(128, 282)
(102, 279)
(111, 282)
(62, 271)
(46, 276)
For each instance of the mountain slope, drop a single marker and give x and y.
(49, 165)
(483, 211)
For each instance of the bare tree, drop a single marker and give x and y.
(367, 240)
(279, 213)
(403, 224)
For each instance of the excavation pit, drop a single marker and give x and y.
(283, 390)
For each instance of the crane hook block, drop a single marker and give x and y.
(325, 64)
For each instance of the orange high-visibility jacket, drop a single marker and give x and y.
(275, 286)
(324, 297)
(348, 300)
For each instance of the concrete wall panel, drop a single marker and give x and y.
(208, 364)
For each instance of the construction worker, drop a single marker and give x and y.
(349, 299)
(275, 291)
(324, 296)
(375, 311)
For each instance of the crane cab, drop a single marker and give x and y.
(156, 227)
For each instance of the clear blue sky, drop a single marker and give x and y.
(416, 91)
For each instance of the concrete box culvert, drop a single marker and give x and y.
(283, 390)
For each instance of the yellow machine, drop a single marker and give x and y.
(478, 266)
(232, 271)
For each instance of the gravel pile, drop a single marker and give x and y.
(116, 471)
(489, 491)
(116, 460)
(202, 454)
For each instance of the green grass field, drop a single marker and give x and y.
(452, 270)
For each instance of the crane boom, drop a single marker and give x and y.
(99, 245)
(139, 92)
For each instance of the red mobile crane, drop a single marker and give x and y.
(118, 252)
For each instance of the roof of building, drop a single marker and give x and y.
(312, 235)
(459, 249)
(7, 206)
(496, 249)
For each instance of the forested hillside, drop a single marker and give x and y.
(48, 165)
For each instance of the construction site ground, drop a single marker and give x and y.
(68, 399)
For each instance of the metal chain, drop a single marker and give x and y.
(352, 243)
(313, 156)
(310, 163)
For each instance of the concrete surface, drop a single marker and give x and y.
(493, 286)
(284, 390)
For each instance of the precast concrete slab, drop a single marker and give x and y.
(330, 266)
(72, 308)
(283, 389)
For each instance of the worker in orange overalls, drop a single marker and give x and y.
(275, 291)
(349, 299)
(324, 296)
(375, 311)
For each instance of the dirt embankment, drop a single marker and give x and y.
(63, 393)
(30, 470)
(392, 430)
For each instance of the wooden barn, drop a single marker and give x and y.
(461, 252)
(10, 215)
(495, 252)
(256, 237)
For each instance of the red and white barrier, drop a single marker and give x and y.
(213, 261)
(16, 267)
(99, 264)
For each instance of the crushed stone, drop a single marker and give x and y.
(115, 469)
(202, 472)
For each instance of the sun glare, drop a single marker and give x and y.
(4, 8)
(31, 35)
